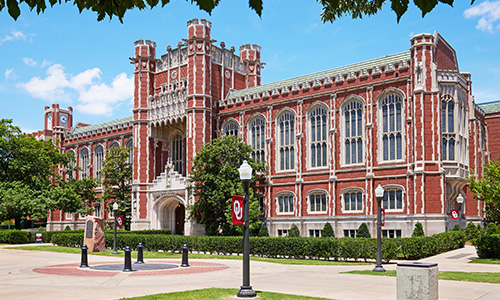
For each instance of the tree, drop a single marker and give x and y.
(418, 231)
(216, 178)
(472, 232)
(117, 179)
(363, 231)
(491, 229)
(487, 189)
(30, 185)
(263, 231)
(456, 227)
(332, 9)
(294, 231)
(327, 230)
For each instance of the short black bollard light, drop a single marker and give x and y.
(185, 249)
(127, 267)
(140, 259)
(84, 263)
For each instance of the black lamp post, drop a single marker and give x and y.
(115, 212)
(460, 201)
(379, 194)
(246, 290)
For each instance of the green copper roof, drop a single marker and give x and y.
(490, 107)
(381, 61)
(78, 130)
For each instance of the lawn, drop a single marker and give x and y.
(486, 261)
(219, 294)
(156, 255)
(444, 275)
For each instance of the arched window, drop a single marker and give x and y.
(317, 201)
(286, 203)
(353, 200)
(114, 144)
(72, 164)
(286, 141)
(318, 136)
(257, 137)
(231, 128)
(98, 163)
(129, 145)
(352, 113)
(448, 127)
(393, 198)
(177, 153)
(392, 128)
(84, 163)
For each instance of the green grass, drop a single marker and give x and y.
(493, 261)
(155, 255)
(219, 294)
(444, 275)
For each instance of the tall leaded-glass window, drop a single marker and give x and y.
(393, 198)
(318, 136)
(98, 163)
(256, 130)
(353, 200)
(392, 128)
(231, 128)
(71, 165)
(129, 145)
(448, 127)
(84, 163)
(177, 153)
(317, 202)
(286, 132)
(353, 132)
(285, 203)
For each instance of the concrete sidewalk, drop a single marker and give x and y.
(19, 281)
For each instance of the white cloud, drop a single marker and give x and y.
(14, 36)
(29, 61)
(489, 13)
(86, 88)
(9, 74)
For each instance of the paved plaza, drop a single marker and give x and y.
(47, 275)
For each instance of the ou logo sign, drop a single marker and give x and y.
(119, 220)
(454, 214)
(237, 210)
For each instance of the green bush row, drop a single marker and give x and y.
(14, 237)
(488, 246)
(286, 247)
(47, 235)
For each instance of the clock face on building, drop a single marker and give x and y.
(63, 119)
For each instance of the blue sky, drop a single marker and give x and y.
(68, 58)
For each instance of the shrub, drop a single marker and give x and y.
(40, 229)
(294, 231)
(67, 228)
(263, 231)
(363, 231)
(418, 231)
(327, 230)
(488, 246)
(491, 229)
(456, 227)
(14, 237)
(472, 232)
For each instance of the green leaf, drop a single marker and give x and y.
(256, 5)
(13, 9)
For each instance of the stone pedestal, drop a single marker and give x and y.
(94, 234)
(417, 281)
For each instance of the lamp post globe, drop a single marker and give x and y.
(460, 201)
(115, 212)
(379, 195)
(246, 290)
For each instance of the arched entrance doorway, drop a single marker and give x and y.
(180, 214)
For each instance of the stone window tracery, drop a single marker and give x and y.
(231, 128)
(318, 137)
(286, 141)
(98, 163)
(286, 203)
(317, 201)
(352, 113)
(257, 138)
(392, 127)
(84, 163)
(353, 200)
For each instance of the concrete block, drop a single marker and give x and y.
(417, 281)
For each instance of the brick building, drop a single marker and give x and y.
(407, 121)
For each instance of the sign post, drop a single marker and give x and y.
(237, 210)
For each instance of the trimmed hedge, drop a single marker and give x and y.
(285, 247)
(488, 246)
(47, 235)
(14, 237)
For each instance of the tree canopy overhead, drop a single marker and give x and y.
(332, 9)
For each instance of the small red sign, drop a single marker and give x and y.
(454, 214)
(237, 210)
(382, 217)
(119, 220)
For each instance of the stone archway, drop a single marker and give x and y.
(170, 213)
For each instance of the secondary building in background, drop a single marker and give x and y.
(407, 121)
